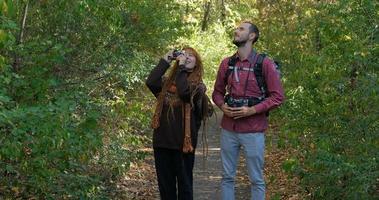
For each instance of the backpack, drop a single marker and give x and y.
(258, 72)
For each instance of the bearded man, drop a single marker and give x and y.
(245, 105)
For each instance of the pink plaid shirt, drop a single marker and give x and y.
(237, 80)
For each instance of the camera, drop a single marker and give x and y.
(249, 101)
(231, 102)
(176, 53)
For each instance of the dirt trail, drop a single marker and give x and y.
(140, 182)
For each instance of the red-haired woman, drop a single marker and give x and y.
(181, 107)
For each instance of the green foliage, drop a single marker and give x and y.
(331, 83)
(74, 114)
(42, 143)
(69, 126)
(213, 46)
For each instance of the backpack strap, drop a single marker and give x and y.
(231, 64)
(258, 71)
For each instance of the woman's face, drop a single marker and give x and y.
(190, 59)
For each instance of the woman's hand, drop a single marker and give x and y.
(168, 56)
(182, 59)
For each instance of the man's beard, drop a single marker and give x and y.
(239, 43)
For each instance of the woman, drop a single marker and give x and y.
(181, 106)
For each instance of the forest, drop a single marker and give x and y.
(75, 112)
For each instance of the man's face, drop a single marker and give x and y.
(242, 34)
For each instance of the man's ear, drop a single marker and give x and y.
(252, 36)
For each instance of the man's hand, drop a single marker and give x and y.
(239, 112)
(243, 111)
(228, 111)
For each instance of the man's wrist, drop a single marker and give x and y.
(252, 110)
(222, 106)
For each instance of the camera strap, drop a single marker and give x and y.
(248, 73)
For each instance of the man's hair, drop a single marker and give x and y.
(253, 29)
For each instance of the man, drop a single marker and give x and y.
(244, 110)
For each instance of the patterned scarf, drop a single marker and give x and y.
(171, 97)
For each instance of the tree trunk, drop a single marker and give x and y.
(207, 10)
(187, 8)
(318, 41)
(318, 34)
(353, 83)
(20, 38)
(223, 12)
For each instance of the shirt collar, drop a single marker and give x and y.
(250, 58)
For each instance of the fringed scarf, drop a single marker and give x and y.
(172, 98)
(187, 145)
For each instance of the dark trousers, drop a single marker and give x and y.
(174, 168)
